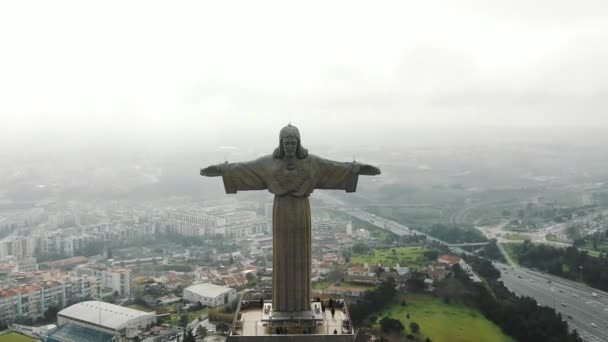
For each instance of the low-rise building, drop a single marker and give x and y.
(100, 318)
(209, 294)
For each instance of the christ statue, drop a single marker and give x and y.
(291, 174)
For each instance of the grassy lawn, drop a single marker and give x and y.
(406, 256)
(514, 236)
(192, 315)
(510, 249)
(356, 285)
(14, 337)
(603, 246)
(321, 285)
(444, 322)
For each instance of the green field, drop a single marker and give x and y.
(14, 337)
(444, 322)
(405, 256)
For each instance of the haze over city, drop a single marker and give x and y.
(483, 123)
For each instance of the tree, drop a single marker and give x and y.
(379, 271)
(202, 331)
(360, 247)
(183, 320)
(222, 327)
(414, 327)
(189, 336)
(50, 315)
(346, 254)
(431, 255)
(389, 325)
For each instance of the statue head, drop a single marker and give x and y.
(290, 144)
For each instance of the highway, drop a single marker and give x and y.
(573, 300)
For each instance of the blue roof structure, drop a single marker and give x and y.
(76, 333)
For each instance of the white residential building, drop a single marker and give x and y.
(112, 279)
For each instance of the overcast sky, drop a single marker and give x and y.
(152, 72)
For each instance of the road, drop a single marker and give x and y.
(573, 300)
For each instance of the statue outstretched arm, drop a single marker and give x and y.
(342, 175)
(239, 176)
(368, 170)
(213, 170)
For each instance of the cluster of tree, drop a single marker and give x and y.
(391, 325)
(520, 317)
(596, 241)
(491, 251)
(414, 239)
(189, 336)
(373, 301)
(224, 313)
(360, 248)
(566, 262)
(456, 234)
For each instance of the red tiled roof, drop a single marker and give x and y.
(450, 259)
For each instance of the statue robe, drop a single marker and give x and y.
(291, 223)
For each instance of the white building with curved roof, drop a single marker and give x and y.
(105, 317)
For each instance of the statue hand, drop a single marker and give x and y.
(212, 171)
(369, 170)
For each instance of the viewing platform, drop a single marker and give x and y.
(254, 322)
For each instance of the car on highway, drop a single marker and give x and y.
(570, 317)
(564, 305)
(593, 325)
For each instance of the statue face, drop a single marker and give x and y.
(290, 146)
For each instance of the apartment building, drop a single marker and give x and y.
(34, 299)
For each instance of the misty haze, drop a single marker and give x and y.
(483, 125)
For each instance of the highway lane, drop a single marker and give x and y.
(574, 301)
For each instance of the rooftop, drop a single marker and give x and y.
(449, 259)
(208, 289)
(108, 315)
